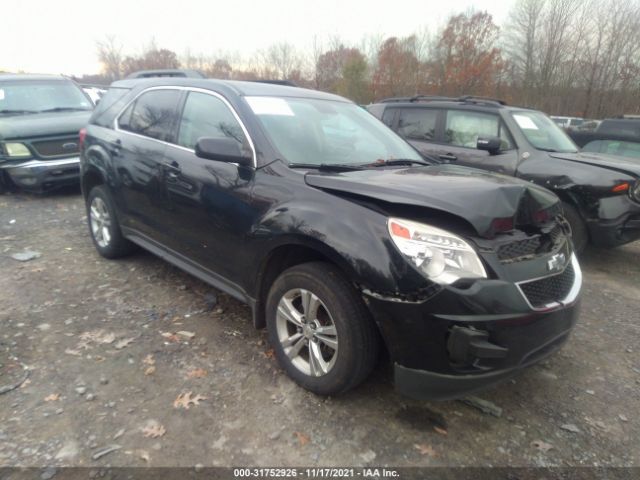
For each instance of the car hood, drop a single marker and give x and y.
(478, 197)
(612, 162)
(14, 127)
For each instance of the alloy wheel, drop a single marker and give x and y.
(307, 332)
(100, 222)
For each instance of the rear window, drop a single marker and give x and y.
(620, 127)
(109, 105)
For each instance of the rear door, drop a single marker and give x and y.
(461, 131)
(145, 127)
(419, 126)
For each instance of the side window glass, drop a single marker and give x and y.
(418, 123)
(153, 114)
(610, 146)
(207, 116)
(464, 127)
(630, 149)
(387, 116)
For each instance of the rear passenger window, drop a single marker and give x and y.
(464, 127)
(153, 114)
(418, 123)
(207, 116)
(387, 116)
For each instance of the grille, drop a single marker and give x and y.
(56, 148)
(549, 289)
(518, 248)
(535, 245)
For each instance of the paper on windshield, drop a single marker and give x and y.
(269, 106)
(1, 94)
(525, 122)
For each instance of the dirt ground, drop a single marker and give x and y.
(109, 346)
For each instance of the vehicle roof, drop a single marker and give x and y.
(237, 87)
(167, 72)
(31, 76)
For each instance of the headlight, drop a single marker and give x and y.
(17, 150)
(442, 256)
(635, 192)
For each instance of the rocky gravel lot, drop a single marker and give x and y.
(134, 363)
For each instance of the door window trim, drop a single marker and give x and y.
(117, 128)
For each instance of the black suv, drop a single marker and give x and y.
(40, 116)
(334, 231)
(600, 194)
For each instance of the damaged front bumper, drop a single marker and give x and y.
(44, 174)
(464, 339)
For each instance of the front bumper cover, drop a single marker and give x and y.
(44, 174)
(504, 334)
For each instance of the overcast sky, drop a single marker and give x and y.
(59, 36)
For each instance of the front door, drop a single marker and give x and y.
(209, 206)
(461, 131)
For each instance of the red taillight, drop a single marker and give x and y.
(400, 231)
(81, 135)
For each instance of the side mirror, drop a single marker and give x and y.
(490, 144)
(222, 150)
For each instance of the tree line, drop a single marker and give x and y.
(566, 57)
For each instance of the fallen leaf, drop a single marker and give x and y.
(70, 351)
(25, 383)
(186, 399)
(172, 337)
(54, 397)
(150, 370)
(569, 427)
(542, 446)
(270, 353)
(153, 430)
(440, 430)
(197, 373)
(302, 438)
(149, 360)
(184, 333)
(425, 449)
(120, 344)
(98, 336)
(144, 455)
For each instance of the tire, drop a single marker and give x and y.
(332, 302)
(103, 225)
(579, 233)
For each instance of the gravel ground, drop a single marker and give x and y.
(113, 349)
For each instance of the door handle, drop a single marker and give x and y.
(116, 148)
(172, 170)
(449, 157)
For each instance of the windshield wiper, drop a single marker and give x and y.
(65, 109)
(397, 161)
(6, 111)
(329, 167)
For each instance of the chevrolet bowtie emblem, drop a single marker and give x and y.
(556, 262)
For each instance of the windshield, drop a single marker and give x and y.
(325, 132)
(37, 96)
(543, 133)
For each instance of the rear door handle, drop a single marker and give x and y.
(116, 148)
(449, 157)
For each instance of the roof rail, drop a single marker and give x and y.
(438, 98)
(485, 100)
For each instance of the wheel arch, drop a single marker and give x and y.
(286, 254)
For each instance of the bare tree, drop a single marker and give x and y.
(110, 55)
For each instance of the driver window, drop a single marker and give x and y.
(464, 127)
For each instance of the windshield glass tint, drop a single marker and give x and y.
(36, 96)
(318, 132)
(542, 132)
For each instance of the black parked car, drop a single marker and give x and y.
(600, 194)
(40, 116)
(613, 136)
(334, 230)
